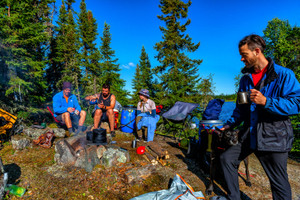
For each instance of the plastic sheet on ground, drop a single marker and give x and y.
(179, 190)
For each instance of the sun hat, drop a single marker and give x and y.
(144, 92)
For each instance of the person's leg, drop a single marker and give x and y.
(139, 132)
(111, 118)
(230, 161)
(66, 118)
(81, 120)
(275, 166)
(97, 117)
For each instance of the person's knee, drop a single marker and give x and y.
(98, 112)
(110, 112)
(225, 159)
(82, 113)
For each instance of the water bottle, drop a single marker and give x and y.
(15, 190)
(134, 143)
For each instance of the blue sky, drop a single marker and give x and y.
(217, 24)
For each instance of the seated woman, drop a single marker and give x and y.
(146, 115)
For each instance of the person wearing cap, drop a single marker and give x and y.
(67, 109)
(105, 103)
(146, 115)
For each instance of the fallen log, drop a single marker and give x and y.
(161, 153)
(147, 149)
(150, 158)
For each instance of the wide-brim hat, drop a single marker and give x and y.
(144, 92)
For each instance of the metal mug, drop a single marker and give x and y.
(243, 97)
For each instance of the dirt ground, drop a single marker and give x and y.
(34, 169)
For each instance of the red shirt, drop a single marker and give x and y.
(257, 76)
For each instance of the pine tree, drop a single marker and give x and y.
(24, 41)
(90, 55)
(110, 69)
(67, 46)
(136, 85)
(146, 72)
(177, 72)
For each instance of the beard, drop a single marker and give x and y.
(251, 62)
(105, 95)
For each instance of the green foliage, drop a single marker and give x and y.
(178, 73)
(283, 44)
(110, 69)
(90, 55)
(24, 36)
(143, 77)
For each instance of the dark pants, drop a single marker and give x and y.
(274, 164)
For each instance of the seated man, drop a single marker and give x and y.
(67, 110)
(146, 115)
(105, 105)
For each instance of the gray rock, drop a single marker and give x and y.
(100, 151)
(87, 158)
(114, 156)
(136, 175)
(34, 133)
(64, 154)
(18, 142)
(59, 132)
(3, 179)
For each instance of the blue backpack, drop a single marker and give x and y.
(213, 109)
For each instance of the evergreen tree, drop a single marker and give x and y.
(24, 41)
(90, 55)
(136, 85)
(67, 46)
(177, 72)
(110, 69)
(146, 72)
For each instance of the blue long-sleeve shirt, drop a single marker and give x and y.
(60, 105)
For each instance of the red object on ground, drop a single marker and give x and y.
(140, 150)
(159, 109)
(116, 119)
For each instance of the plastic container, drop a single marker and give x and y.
(15, 190)
(128, 116)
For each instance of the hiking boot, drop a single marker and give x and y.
(73, 134)
(113, 134)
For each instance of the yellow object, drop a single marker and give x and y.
(209, 140)
(11, 119)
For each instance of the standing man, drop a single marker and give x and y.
(67, 110)
(104, 109)
(267, 130)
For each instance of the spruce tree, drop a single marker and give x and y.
(136, 85)
(178, 73)
(146, 72)
(67, 46)
(110, 69)
(24, 41)
(90, 55)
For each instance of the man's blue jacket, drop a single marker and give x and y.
(61, 106)
(269, 126)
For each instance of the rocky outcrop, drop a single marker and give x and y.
(18, 142)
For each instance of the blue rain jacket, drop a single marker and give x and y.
(269, 126)
(60, 104)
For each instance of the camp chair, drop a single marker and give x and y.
(179, 117)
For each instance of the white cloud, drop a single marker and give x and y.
(129, 65)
